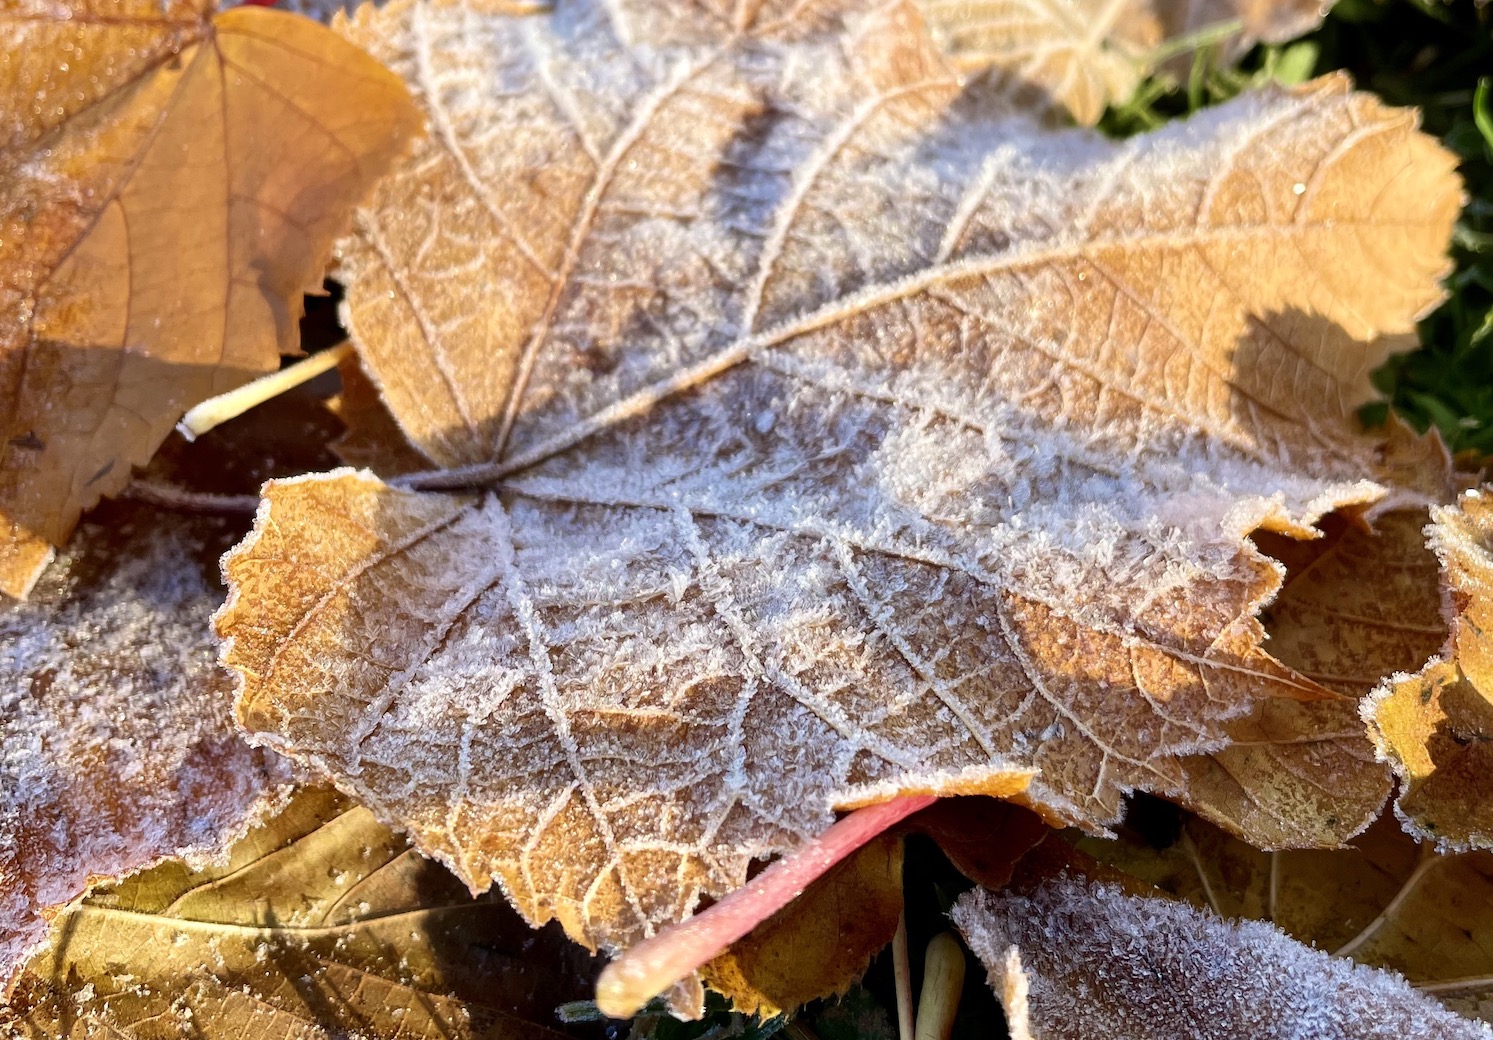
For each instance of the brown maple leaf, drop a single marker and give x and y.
(1435, 727)
(846, 441)
(170, 184)
(1360, 603)
(1083, 55)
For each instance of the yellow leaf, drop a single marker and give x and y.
(1360, 603)
(1436, 727)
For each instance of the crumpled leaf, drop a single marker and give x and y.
(1386, 902)
(1436, 727)
(1105, 964)
(117, 745)
(853, 442)
(170, 184)
(1360, 603)
(1083, 55)
(322, 923)
(820, 944)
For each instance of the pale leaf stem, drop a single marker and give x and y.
(217, 410)
(902, 975)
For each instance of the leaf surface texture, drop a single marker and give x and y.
(1104, 963)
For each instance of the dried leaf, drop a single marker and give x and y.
(819, 944)
(853, 442)
(1083, 55)
(1436, 727)
(1385, 902)
(1360, 603)
(115, 723)
(1105, 964)
(322, 924)
(983, 838)
(372, 438)
(170, 184)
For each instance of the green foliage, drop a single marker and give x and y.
(1437, 57)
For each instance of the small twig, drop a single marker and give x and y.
(1190, 847)
(1428, 859)
(1274, 885)
(217, 410)
(902, 975)
(656, 963)
(1453, 985)
(168, 496)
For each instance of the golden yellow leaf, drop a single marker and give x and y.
(1083, 55)
(170, 184)
(322, 923)
(1436, 727)
(1360, 603)
(835, 441)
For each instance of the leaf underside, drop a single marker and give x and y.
(841, 438)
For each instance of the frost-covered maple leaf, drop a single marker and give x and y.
(835, 439)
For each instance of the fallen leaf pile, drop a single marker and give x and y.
(764, 413)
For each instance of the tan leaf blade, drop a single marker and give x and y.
(1105, 965)
(1436, 727)
(1083, 55)
(1358, 604)
(321, 924)
(170, 184)
(115, 723)
(853, 443)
